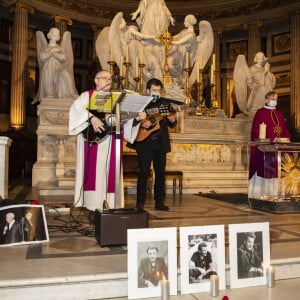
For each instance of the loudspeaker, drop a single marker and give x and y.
(111, 225)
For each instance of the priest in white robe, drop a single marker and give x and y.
(95, 163)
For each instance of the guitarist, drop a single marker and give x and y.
(154, 149)
(95, 163)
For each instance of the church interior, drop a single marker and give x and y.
(207, 169)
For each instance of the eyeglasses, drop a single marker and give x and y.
(105, 78)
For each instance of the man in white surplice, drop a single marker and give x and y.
(95, 163)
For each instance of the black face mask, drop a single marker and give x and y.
(155, 97)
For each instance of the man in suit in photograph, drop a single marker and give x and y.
(152, 269)
(12, 231)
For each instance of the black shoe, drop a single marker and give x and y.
(162, 207)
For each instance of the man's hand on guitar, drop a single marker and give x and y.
(146, 124)
(141, 116)
(97, 124)
(172, 118)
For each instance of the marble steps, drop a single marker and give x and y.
(103, 286)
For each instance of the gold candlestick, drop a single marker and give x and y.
(127, 66)
(214, 102)
(200, 107)
(188, 99)
(166, 38)
(137, 80)
(111, 67)
(141, 86)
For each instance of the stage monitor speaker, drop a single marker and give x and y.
(111, 225)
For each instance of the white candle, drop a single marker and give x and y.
(214, 285)
(187, 62)
(201, 60)
(270, 272)
(136, 67)
(141, 54)
(121, 66)
(198, 75)
(127, 54)
(111, 52)
(262, 131)
(165, 289)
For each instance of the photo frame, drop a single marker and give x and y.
(144, 247)
(236, 48)
(245, 271)
(281, 43)
(192, 241)
(77, 47)
(22, 224)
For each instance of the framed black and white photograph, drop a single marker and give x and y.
(249, 254)
(22, 224)
(152, 262)
(202, 254)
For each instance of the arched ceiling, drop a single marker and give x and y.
(219, 12)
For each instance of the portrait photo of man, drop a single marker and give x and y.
(249, 254)
(152, 267)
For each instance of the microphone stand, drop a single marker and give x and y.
(118, 133)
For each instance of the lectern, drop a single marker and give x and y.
(282, 163)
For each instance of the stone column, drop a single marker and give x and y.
(62, 24)
(254, 39)
(5, 143)
(19, 64)
(295, 70)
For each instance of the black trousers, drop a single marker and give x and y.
(151, 151)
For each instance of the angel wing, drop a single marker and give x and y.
(41, 42)
(205, 46)
(102, 48)
(241, 73)
(116, 38)
(68, 65)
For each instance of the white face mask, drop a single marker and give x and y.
(272, 103)
(155, 96)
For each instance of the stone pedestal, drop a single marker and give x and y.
(54, 170)
(5, 143)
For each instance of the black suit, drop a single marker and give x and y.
(154, 148)
(152, 273)
(14, 234)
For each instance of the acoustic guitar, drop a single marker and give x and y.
(109, 121)
(155, 117)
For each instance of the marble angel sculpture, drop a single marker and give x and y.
(258, 78)
(204, 49)
(183, 42)
(153, 17)
(127, 42)
(56, 66)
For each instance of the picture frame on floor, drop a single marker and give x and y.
(202, 254)
(22, 224)
(152, 262)
(249, 254)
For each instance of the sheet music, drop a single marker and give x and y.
(134, 103)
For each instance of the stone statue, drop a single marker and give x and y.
(183, 42)
(142, 44)
(60, 150)
(258, 78)
(153, 17)
(205, 44)
(56, 66)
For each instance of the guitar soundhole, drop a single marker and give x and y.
(153, 121)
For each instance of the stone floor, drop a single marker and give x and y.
(73, 252)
